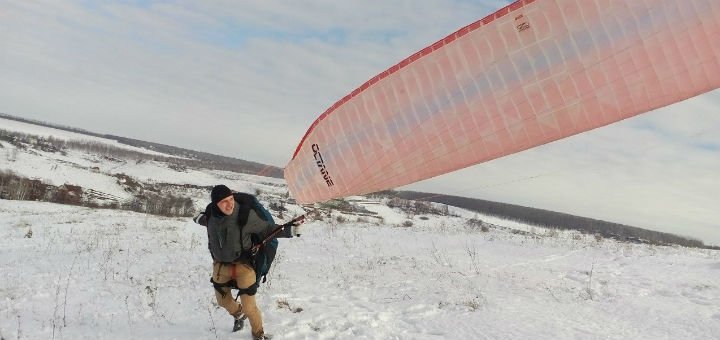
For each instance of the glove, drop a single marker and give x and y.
(297, 230)
(201, 219)
(296, 224)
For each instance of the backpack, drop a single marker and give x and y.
(265, 256)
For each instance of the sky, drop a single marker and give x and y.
(246, 79)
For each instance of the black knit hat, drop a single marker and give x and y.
(219, 193)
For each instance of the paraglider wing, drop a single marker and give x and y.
(531, 73)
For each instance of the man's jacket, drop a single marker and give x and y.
(230, 237)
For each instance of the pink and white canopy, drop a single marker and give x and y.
(531, 73)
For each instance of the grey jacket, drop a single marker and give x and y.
(228, 241)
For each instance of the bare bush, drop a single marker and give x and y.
(344, 206)
(163, 205)
(474, 222)
(440, 256)
(69, 194)
(552, 233)
(474, 258)
(417, 207)
(15, 187)
(277, 206)
(128, 183)
(475, 304)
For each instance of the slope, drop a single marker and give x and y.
(106, 274)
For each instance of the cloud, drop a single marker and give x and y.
(153, 70)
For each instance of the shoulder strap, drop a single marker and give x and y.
(208, 210)
(248, 202)
(244, 202)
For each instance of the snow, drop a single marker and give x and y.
(95, 172)
(57, 170)
(78, 273)
(43, 131)
(89, 274)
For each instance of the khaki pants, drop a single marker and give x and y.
(244, 275)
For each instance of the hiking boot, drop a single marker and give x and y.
(239, 323)
(262, 336)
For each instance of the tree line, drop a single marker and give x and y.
(551, 219)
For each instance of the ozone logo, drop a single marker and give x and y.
(321, 164)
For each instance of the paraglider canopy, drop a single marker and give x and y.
(531, 73)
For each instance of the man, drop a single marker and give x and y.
(232, 221)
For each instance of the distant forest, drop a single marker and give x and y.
(552, 219)
(192, 158)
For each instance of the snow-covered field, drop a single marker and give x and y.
(95, 172)
(105, 274)
(42, 131)
(78, 273)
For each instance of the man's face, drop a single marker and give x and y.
(227, 205)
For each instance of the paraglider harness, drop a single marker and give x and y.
(260, 256)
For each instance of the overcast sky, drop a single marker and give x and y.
(247, 78)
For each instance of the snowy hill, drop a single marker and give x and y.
(108, 172)
(108, 274)
(361, 270)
